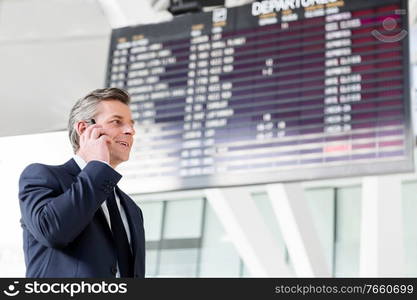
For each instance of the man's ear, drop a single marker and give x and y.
(80, 127)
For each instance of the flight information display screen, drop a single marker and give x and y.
(273, 91)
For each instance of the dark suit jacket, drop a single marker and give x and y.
(65, 232)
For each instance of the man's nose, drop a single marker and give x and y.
(129, 129)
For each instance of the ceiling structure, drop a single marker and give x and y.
(53, 52)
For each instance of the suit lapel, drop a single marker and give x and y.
(131, 216)
(104, 224)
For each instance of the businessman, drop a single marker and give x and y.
(76, 221)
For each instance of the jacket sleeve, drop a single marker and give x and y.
(56, 218)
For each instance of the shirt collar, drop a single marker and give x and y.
(80, 162)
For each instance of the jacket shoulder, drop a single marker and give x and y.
(41, 174)
(40, 169)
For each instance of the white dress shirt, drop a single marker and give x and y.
(81, 163)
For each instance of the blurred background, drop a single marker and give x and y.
(53, 52)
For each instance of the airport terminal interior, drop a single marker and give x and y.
(234, 175)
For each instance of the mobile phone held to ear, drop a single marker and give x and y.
(92, 122)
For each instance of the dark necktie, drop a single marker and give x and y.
(124, 254)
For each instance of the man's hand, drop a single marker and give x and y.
(94, 144)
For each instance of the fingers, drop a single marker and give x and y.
(93, 132)
(105, 138)
(88, 131)
(96, 133)
(94, 143)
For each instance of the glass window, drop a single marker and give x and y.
(321, 203)
(347, 235)
(219, 257)
(151, 262)
(152, 219)
(183, 219)
(265, 208)
(178, 263)
(179, 248)
(336, 215)
(409, 196)
(244, 271)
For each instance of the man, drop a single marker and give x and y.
(76, 221)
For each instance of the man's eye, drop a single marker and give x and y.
(116, 121)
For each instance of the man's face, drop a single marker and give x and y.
(116, 119)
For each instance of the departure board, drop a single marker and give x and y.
(273, 91)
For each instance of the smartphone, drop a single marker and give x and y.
(92, 122)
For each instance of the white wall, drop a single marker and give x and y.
(52, 52)
(16, 152)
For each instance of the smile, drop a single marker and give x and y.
(125, 144)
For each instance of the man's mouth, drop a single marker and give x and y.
(125, 144)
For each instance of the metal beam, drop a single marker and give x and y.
(253, 239)
(382, 235)
(298, 230)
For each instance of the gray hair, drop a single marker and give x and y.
(85, 109)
